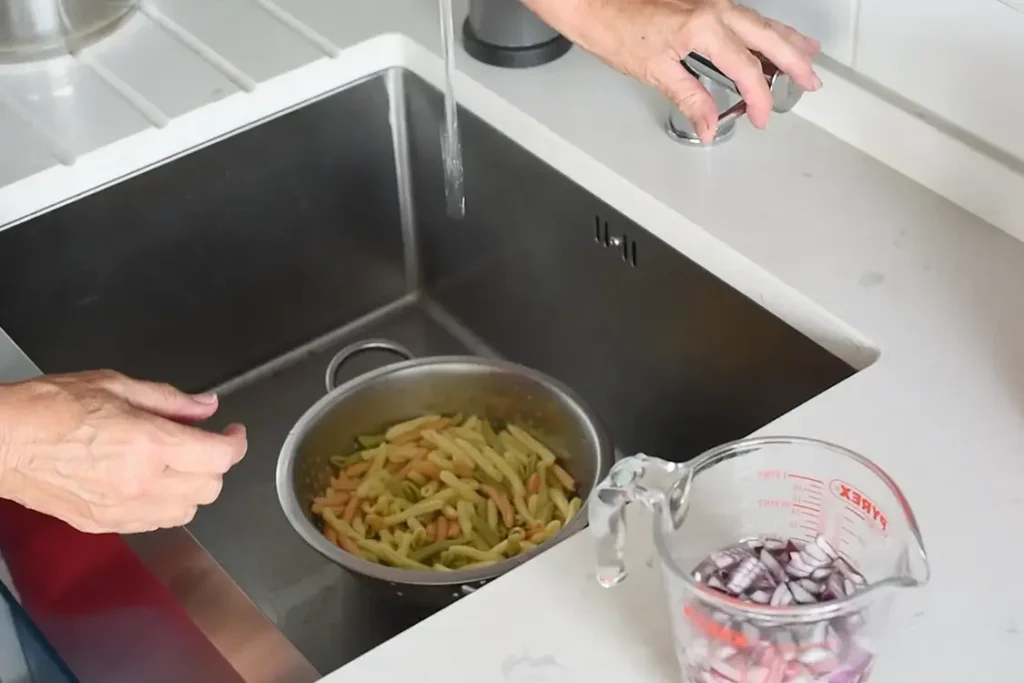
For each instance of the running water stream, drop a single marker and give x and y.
(451, 147)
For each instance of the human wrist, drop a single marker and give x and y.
(8, 423)
(562, 15)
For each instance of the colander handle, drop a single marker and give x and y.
(353, 350)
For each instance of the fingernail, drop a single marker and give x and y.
(235, 429)
(707, 131)
(205, 398)
(817, 82)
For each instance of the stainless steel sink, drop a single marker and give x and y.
(244, 264)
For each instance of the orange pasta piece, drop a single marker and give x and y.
(508, 513)
(426, 468)
(348, 545)
(358, 469)
(564, 478)
(351, 509)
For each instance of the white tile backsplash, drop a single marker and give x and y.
(961, 59)
(829, 21)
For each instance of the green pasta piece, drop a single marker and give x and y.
(477, 565)
(432, 504)
(532, 444)
(487, 479)
(491, 437)
(404, 489)
(370, 441)
(546, 512)
(460, 487)
(487, 535)
(561, 502)
(470, 553)
(492, 515)
(513, 546)
(343, 461)
(389, 554)
(508, 472)
(427, 552)
(466, 521)
(550, 530)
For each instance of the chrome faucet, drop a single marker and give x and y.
(507, 33)
(785, 95)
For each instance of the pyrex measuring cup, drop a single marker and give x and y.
(841, 536)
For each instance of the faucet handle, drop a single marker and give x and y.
(785, 94)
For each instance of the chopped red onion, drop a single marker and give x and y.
(781, 573)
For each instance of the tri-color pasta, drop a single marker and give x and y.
(446, 493)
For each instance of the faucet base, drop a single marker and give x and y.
(682, 131)
(513, 57)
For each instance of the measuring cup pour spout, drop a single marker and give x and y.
(780, 556)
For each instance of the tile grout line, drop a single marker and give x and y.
(855, 12)
(150, 111)
(321, 42)
(211, 56)
(53, 143)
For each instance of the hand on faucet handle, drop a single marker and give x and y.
(649, 38)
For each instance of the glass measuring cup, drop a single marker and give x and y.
(783, 495)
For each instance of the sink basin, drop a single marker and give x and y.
(245, 264)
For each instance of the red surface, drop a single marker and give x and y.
(102, 610)
(62, 572)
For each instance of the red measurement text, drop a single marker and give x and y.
(858, 500)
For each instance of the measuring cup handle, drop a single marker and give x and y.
(352, 350)
(635, 478)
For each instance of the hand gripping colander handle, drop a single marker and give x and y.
(353, 350)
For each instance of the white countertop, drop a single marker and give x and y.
(854, 254)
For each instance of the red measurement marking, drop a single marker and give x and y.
(847, 493)
(812, 508)
(809, 527)
(769, 474)
(714, 629)
(847, 530)
(800, 476)
(856, 513)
